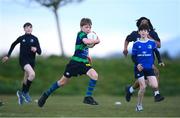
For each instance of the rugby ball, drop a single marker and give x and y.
(92, 35)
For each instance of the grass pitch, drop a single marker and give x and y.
(72, 106)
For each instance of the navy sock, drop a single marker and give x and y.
(52, 88)
(28, 84)
(91, 86)
(25, 87)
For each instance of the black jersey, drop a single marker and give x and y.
(26, 55)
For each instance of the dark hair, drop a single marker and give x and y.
(27, 24)
(85, 21)
(143, 27)
(144, 18)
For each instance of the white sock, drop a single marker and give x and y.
(131, 90)
(156, 92)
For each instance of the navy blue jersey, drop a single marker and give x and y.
(143, 51)
(81, 49)
(26, 42)
(134, 36)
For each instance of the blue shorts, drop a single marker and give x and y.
(144, 72)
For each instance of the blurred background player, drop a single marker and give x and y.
(78, 65)
(1, 103)
(143, 58)
(134, 36)
(29, 46)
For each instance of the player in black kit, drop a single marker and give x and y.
(29, 46)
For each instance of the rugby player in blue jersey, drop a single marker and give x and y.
(29, 46)
(133, 37)
(143, 58)
(78, 65)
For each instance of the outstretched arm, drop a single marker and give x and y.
(131, 37)
(125, 51)
(12, 47)
(5, 58)
(158, 56)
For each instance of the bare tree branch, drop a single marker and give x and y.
(55, 5)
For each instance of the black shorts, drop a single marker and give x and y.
(74, 68)
(144, 72)
(24, 62)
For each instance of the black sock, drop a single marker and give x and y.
(25, 87)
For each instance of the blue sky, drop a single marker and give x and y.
(112, 20)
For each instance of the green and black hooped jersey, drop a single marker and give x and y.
(81, 49)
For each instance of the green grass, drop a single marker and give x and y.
(72, 106)
(114, 75)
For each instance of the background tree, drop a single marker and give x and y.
(54, 5)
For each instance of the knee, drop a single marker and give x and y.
(95, 76)
(32, 75)
(142, 88)
(92, 74)
(62, 82)
(154, 86)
